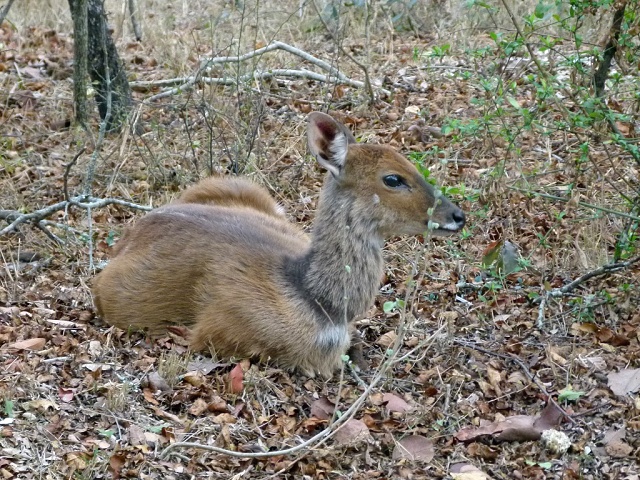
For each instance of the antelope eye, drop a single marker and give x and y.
(394, 181)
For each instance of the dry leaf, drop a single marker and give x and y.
(494, 379)
(483, 451)
(205, 366)
(41, 405)
(516, 428)
(66, 394)
(136, 435)
(394, 403)
(156, 383)
(217, 405)
(198, 407)
(322, 408)
(388, 339)
(556, 357)
(149, 396)
(194, 378)
(414, 448)
(625, 381)
(169, 416)
(614, 435)
(618, 449)
(351, 432)
(236, 376)
(116, 462)
(465, 471)
(224, 419)
(30, 344)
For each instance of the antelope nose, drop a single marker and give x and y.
(459, 218)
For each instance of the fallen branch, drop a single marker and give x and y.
(182, 84)
(603, 270)
(189, 82)
(83, 201)
(275, 46)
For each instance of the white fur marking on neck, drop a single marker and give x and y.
(334, 337)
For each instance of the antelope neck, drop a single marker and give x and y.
(341, 272)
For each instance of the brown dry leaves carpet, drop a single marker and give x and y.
(479, 387)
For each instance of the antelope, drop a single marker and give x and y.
(224, 261)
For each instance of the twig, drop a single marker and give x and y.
(603, 270)
(275, 46)
(82, 201)
(568, 288)
(582, 204)
(320, 437)
(367, 81)
(41, 226)
(543, 303)
(67, 169)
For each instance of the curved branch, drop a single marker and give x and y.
(182, 84)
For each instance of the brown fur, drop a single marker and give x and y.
(232, 191)
(223, 260)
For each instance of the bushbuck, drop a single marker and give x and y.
(224, 261)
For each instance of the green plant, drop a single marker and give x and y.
(393, 306)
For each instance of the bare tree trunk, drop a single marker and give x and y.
(107, 73)
(134, 20)
(80, 63)
(601, 74)
(5, 11)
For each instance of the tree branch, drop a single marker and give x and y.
(182, 84)
(82, 201)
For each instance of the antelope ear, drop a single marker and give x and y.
(328, 141)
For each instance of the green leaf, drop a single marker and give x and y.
(388, 307)
(111, 238)
(540, 10)
(514, 103)
(492, 255)
(8, 408)
(569, 395)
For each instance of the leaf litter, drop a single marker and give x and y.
(88, 400)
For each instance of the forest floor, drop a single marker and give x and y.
(483, 366)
